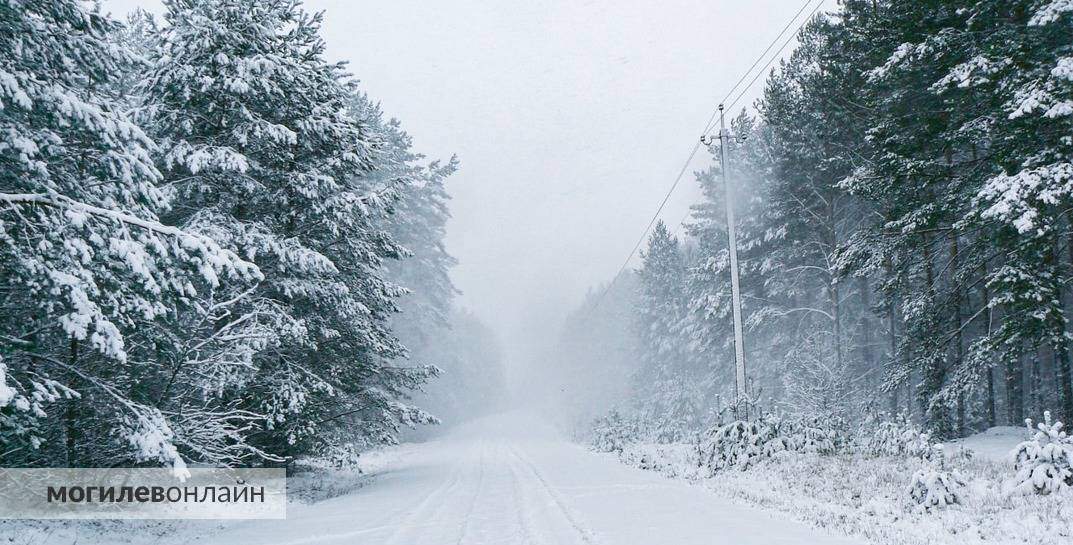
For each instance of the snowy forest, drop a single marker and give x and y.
(904, 197)
(222, 252)
(215, 248)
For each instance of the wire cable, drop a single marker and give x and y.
(707, 127)
(777, 53)
(626, 263)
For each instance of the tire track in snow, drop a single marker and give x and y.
(479, 489)
(586, 535)
(428, 508)
(524, 518)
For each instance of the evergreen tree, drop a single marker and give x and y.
(666, 382)
(428, 324)
(904, 216)
(1024, 68)
(260, 142)
(84, 258)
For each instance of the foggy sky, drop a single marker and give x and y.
(570, 118)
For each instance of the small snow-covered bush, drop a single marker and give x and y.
(932, 487)
(1044, 463)
(666, 430)
(616, 430)
(896, 436)
(738, 444)
(741, 444)
(809, 435)
(613, 432)
(672, 460)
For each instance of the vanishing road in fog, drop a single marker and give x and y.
(487, 483)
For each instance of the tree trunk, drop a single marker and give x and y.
(832, 293)
(1061, 378)
(1037, 383)
(867, 357)
(959, 349)
(933, 373)
(70, 415)
(1060, 351)
(989, 373)
(1015, 413)
(991, 416)
(892, 337)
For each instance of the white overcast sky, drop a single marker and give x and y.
(571, 118)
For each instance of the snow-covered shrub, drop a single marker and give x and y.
(615, 430)
(817, 381)
(344, 456)
(612, 432)
(896, 436)
(932, 487)
(672, 460)
(1044, 463)
(921, 447)
(812, 435)
(666, 429)
(741, 444)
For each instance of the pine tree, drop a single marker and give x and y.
(85, 259)
(666, 380)
(261, 144)
(418, 223)
(1044, 463)
(708, 325)
(428, 324)
(904, 224)
(598, 351)
(816, 144)
(1025, 68)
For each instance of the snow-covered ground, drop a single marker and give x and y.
(503, 480)
(994, 444)
(512, 479)
(867, 496)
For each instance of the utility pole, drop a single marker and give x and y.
(741, 392)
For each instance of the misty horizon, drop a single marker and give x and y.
(326, 272)
(552, 192)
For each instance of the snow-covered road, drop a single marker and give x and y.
(512, 480)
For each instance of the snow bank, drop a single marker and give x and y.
(308, 487)
(867, 496)
(994, 444)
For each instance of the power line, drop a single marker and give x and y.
(651, 222)
(779, 51)
(707, 127)
(758, 59)
(682, 222)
